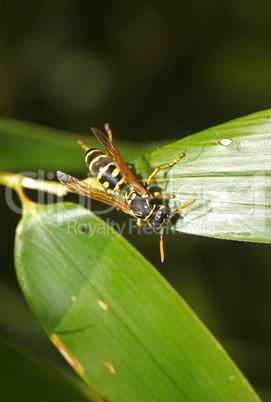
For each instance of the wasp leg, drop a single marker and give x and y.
(159, 195)
(84, 146)
(109, 132)
(139, 222)
(170, 197)
(156, 170)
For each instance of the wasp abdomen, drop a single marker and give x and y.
(105, 171)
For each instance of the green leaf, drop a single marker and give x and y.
(113, 317)
(227, 169)
(232, 184)
(26, 146)
(23, 378)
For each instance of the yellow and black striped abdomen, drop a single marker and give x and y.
(105, 171)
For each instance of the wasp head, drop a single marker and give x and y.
(159, 217)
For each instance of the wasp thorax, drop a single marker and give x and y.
(159, 217)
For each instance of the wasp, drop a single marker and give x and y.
(112, 173)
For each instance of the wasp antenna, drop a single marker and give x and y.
(84, 146)
(184, 206)
(162, 248)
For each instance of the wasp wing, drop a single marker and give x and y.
(115, 156)
(82, 188)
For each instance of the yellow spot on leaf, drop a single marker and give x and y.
(103, 305)
(110, 366)
(67, 354)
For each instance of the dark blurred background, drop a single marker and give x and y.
(156, 71)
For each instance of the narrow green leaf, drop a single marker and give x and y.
(227, 168)
(113, 317)
(23, 378)
(26, 146)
